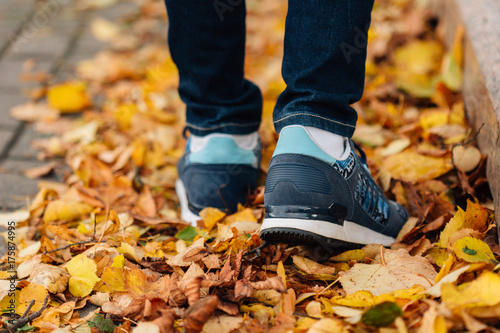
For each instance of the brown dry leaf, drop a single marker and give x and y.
(198, 314)
(466, 158)
(53, 278)
(222, 324)
(312, 267)
(399, 270)
(40, 171)
(34, 112)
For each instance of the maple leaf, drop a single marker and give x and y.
(399, 270)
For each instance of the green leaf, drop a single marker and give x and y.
(187, 234)
(25, 328)
(382, 315)
(103, 324)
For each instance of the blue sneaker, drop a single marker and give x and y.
(312, 198)
(217, 170)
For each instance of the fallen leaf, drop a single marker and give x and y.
(83, 277)
(400, 271)
(198, 314)
(474, 250)
(68, 97)
(435, 290)
(483, 291)
(413, 167)
(34, 112)
(39, 171)
(312, 267)
(53, 278)
(33, 292)
(59, 210)
(381, 315)
(466, 158)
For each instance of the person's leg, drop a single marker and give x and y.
(207, 43)
(319, 188)
(323, 64)
(223, 110)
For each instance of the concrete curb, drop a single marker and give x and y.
(481, 90)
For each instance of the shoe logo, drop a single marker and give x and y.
(345, 167)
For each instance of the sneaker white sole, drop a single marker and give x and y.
(186, 214)
(350, 232)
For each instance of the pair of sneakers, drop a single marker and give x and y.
(310, 197)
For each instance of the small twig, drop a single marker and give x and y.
(28, 309)
(105, 223)
(257, 251)
(78, 243)
(382, 254)
(329, 286)
(24, 320)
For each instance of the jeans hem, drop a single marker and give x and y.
(229, 128)
(315, 120)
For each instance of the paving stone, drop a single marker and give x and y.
(117, 11)
(43, 42)
(16, 186)
(18, 166)
(7, 101)
(22, 148)
(12, 69)
(15, 190)
(5, 137)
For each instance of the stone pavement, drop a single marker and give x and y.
(56, 35)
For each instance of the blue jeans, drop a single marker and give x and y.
(323, 65)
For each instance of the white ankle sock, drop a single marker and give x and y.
(246, 141)
(333, 144)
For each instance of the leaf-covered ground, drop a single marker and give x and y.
(106, 251)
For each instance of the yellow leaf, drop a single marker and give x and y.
(114, 278)
(118, 261)
(483, 291)
(281, 272)
(451, 227)
(413, 167)
(55, 316)
(69, 97)
(347, 256)
(59, 210)
(83, 275)
(34, 292)
(433, 118)
(359, 299)
(475, 217)
(258, 311)
(129, 252)
(136, 282)
(244, 215)
(474, 250)
(211, 216)
(124, 114)
(446, 268)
